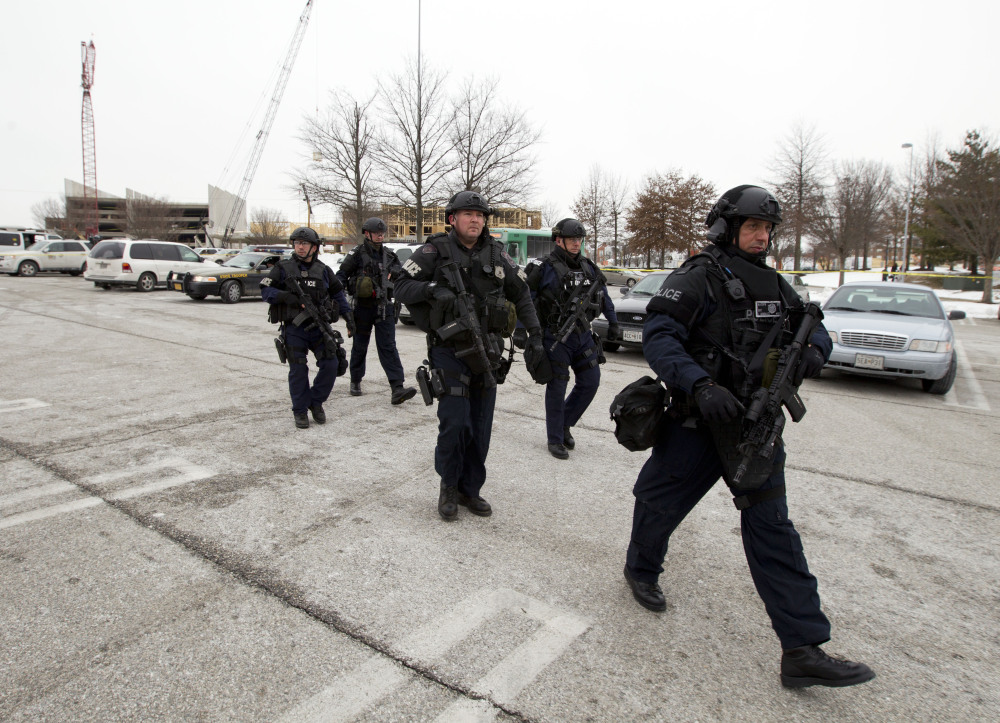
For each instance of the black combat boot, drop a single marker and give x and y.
(809, 665)
(448, 503)
(558, 451)
(355, 389)
(476, 505)
(647, 594)
(301, 420)
(318, 414)
(400, 393)
(568, 440)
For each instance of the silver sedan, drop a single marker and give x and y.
(886, 329)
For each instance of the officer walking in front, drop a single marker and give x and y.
(318, 281)
(464, 353)
(707, 336)
(567, 284)
(368, 273)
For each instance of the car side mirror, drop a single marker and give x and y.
(956, 314)
(623, 290)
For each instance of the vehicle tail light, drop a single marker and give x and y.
(126, 267)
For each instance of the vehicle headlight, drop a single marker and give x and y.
(833, 336)
(940, 347)
(203, 278)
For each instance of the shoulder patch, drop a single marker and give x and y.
(428, 249)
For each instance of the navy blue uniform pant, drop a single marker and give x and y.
(299, 343)
(577, 353)
(682, 468)
(366, 321)
(464, 425)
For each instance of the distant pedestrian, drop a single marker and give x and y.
(298, 334)
(569, 289)
(368, 274)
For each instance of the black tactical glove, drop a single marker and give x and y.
(440, 294)
(717, 404)
(290, 298)
(536, 360)
(349, 321)
(810, 365)
(614, 332)
(520, 337)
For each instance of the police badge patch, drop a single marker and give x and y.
(768, 309)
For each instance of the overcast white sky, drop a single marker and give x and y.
(635, 86)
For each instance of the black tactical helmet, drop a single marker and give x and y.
(569, 228)
(470, 200)
(735, 206)
(374, 225)
(306, 234)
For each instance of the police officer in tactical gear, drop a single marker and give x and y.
(464, 357)
(318, 281)
(564, 283)
(368, 274)
(708, 335)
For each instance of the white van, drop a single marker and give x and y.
(142, 263)
(14, 238)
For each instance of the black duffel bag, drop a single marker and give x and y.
(637, 411)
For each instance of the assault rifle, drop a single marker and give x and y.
(332, 339)
(482, 361)
(575, 310)
(763, 421)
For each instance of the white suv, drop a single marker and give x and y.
(68, 256)
(142, 263)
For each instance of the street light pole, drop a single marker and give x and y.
(906, 222)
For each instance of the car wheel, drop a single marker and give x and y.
(147, 281)
(231, 292)
(27, 268)
(630, 282)
(611, 345)
(196, 297)
(942, 385)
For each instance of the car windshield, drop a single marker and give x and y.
(885, 300)
(648, 285)
(244, 261)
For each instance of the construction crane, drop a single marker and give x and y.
(272, 110)
(90, 215)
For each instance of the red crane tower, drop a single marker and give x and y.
(89, 143)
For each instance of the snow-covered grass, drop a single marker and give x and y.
(822, 285)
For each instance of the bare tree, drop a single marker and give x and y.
(551, 213)
(414, 148)
(618, 196)
(591, 205)
(341, 146)
(854, 214)
(267, 226)
(800, 168)
(148, 217)
(51, 214)
(966, 201)
(492, 146)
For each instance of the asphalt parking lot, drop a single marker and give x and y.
(172, 548)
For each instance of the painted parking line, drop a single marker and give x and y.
(17, 405)
(166, 473)
(969, 381)
(356, 692)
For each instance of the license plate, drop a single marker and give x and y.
(867, 361)
(102, 264)
(628, 335)
(177, 286)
